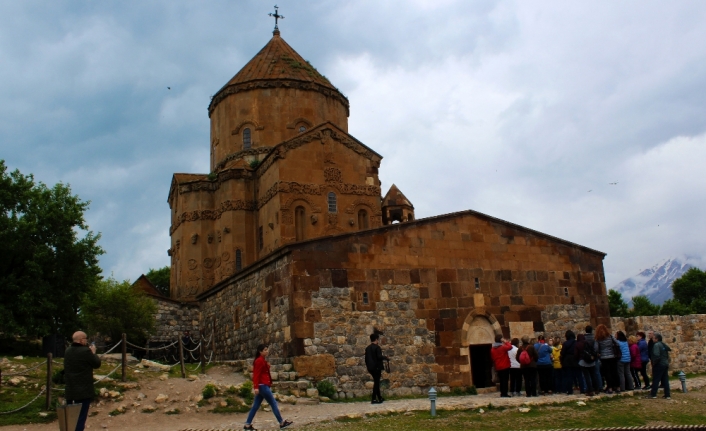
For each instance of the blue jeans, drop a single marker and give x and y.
(83, 415)
(266, 394)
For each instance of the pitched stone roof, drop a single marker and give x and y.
(277, 64)
(395, 197)
(143, 283)
(278, 60)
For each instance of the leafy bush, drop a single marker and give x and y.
(245, 390)
(471, 390)
(232, 390)
(57, 377)
(209, 391)
(326, 389)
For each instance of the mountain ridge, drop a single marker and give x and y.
(656, 282)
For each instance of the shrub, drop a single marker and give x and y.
(471, 390)
(209, 391)
(326, 389)
(57, 377)
(245, 390)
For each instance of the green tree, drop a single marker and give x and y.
(675, 308)
(160, 279)
(642, 306)
(690, 290)
(616, 303)
(48, 257)
(115, 307)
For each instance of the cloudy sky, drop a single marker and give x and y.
(522, 110)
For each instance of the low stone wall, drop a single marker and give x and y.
(173, 318)
(685, 335)
(563, 317)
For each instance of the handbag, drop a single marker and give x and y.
(68, 416)
(617, 352)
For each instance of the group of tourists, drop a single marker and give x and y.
(590, 363)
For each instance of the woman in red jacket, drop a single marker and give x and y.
(502, 362)
(261, 382)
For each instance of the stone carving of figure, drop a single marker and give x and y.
(194, 238)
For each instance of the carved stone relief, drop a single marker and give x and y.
(287, 217)
(332, 175)
(210, 238)
(194, 238)
(314, 219)
(193, 264)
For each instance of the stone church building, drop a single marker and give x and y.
(289, 241)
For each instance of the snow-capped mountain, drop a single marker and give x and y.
(655, 282)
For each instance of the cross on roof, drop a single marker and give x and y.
(277, 16)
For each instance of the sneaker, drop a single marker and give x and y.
(505, 396)
(285, 424)
(667, 398)
(650, 397)
(375, 402)
(249, 427)
(647, 387)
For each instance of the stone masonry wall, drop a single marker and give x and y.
(173, 318)
(343, 332)
(685, 335)
(251, 310)
(563, 317)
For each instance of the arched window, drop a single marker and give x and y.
(362, 219)
(247, 141)
(332, 202)
(238, 260)
(300, 222)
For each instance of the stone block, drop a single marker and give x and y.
(316, 366)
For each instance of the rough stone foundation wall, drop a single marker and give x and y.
(685, 335)
(173, 318)
(343, 333)
(250, 310)
(563, 317)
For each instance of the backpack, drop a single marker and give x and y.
(588, 354)
(617, 351)
(525, 358)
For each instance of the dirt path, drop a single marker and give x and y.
(182, 393)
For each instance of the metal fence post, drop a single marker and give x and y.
(181, 357)
(49, 382)
(124, 356)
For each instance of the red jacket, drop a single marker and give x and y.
(261, 373)
(635, 360)
(500, 357)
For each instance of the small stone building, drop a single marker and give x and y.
(289, 241)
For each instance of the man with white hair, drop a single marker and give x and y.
(80, 360)
(660, 367)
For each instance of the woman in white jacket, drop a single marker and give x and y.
(515, 371)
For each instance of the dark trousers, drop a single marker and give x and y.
(503, 375)
(83, 415)
(558, 379)
(515, 380)
(643, 371)
(610, 373)
(545, 377)
(570, 374)
(377, 374)
(660, 377)
(635, 372)
(530, 375)
(589, 376)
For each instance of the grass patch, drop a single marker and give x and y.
(116, 412)
(607, 412)
(172, 412)
(234, 406)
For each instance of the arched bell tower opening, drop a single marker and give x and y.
(479, 331)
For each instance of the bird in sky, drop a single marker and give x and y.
(169, 88)
(612, 184)
(590, 191)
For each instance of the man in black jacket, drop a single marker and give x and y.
(79, 361)
(373, 361)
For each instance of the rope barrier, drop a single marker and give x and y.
(194, 349)
(152, 349)
(106, 376)
(111, 349)
(209, 358)
(24, 371)
(26, 405)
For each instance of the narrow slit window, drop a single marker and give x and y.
(302, 129)
(477, 283)
(300, 223)
(238, 260)
(260, 238)
(566, 291)
(247, 140)
(365, 298)
(362, 219)
(332, 207)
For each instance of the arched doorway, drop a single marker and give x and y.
(479, 330)
(480, 340)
